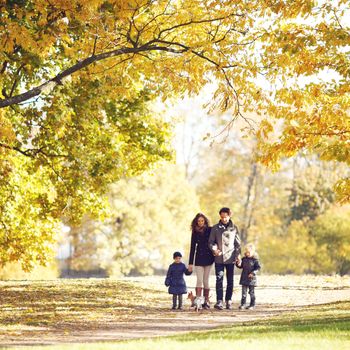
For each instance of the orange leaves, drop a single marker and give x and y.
(7, 134)
(169, 48)
(342, 189)
(264, 130)
(315, 119)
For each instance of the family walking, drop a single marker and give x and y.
(220, 244)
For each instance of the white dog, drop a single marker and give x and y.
(196, 302)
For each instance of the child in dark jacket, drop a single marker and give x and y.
(249, 265)
(175, 280)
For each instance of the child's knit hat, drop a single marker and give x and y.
(177, 254)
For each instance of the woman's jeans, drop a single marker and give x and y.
(219, 272)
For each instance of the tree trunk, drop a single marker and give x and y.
(250, 201)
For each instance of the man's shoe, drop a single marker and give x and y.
(228, 304)
(219, 305)
(250, 307)
(241, 307)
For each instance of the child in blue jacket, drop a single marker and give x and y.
(175, 280)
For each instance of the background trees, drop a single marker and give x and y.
(76, 78)
(149, 219)
(331, 233)
(278, 211)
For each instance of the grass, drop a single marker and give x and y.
(70, 303)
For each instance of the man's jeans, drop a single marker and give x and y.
(219, 272)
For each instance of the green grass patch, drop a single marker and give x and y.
(313, 328)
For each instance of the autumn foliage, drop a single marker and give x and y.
(76, 77)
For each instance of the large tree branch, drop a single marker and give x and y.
(58, 79)
(155, 45)
(4, 66)
(33, 152)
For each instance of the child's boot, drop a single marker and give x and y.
(243, 301)
(174, 301)
(252, 304)
(180, 302)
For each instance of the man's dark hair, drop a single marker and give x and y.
(225, 210)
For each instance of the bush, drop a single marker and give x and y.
(14, 271)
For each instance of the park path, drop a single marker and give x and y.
(274, 297)
(149, 323)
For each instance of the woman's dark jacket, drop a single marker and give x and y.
(248, 265)
(175, 278)
(199, 247)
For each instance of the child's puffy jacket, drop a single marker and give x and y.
(175, 278)
(249, 265)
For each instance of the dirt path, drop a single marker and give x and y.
(274, 297)
(152, 323)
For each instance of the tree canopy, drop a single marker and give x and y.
(62, 170)
(72, 74)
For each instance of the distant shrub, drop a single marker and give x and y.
(14, 271)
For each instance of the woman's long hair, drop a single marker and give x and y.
(195, 220)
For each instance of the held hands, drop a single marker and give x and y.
(190, 268)
(217, 252)
(250, 276)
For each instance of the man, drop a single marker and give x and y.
(225, 243)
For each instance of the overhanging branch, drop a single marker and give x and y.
(58, 79)
(33, 152)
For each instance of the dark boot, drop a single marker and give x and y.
(180, 302)
(252, 298)
(243, 301)
(206, 304)
(252, 303)
(198, 291)
(174, 301)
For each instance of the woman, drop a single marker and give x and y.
(202, 255)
